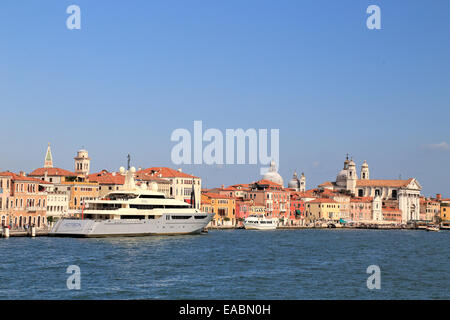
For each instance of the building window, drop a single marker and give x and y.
(394, 194)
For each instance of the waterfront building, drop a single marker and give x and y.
(57, 203)
(344, 203)
(223, 207)
(405, 192)
(430, 208)
(27, 200)
(206, 204)
(5, 193)
(243, 209)
(322, 209)
(78, 193)
(297, 209)
(273, 197)
(445, 210)
(366, 209)
(181, 184)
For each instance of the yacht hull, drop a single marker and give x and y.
(129, 227)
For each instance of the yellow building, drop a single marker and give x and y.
(322, 209)
(223, 206)
(445, 210)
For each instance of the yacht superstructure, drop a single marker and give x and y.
(134, 211)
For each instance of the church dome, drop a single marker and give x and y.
(341, 179)
(294, 183)
(273, 175)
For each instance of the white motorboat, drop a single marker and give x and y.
(260, 222)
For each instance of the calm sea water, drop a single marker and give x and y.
(235, 264)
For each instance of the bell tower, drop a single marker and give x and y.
(365, 174)
(302, 183)
(82, 163)
(352, 177)
(48, 163)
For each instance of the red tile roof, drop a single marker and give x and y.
(217, 196)
(105, 177)
(165, 172)
(17, 177)
(268, 182)
(326, 184)
(383, 183)
(52, 172)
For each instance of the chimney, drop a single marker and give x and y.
(113, 174)
(438, 196)
(179, 170)
(21, 173)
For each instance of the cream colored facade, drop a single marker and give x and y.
(322, 209)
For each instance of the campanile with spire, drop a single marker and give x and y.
(48, 163)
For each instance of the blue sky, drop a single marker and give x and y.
(137, 70)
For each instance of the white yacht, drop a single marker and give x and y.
(134, 211)
(260, 222)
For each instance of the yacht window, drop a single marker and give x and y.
(132, 217)
(200, 217)
(149, 196)
(121, 196)
(146, 206)
(181, 217)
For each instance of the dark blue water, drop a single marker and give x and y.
(236, 264)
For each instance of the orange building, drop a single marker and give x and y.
(79, 193)
(26, 203)
(223, 206)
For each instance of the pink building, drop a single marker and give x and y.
(272, 196)
(361, 209)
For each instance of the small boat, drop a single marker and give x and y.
(432, 228)
(260, 222)
(445, 226)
